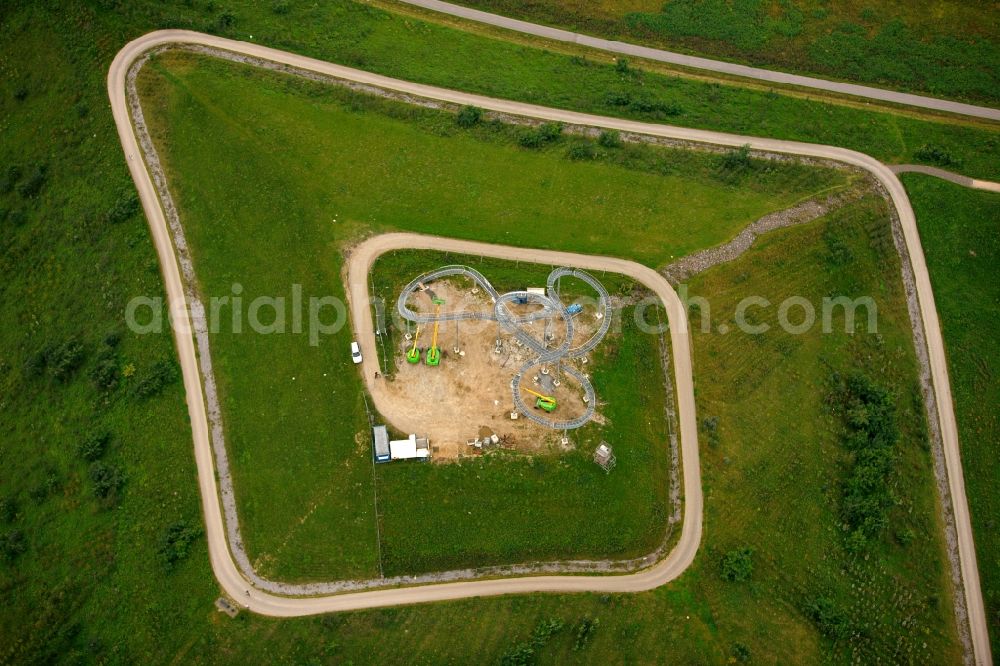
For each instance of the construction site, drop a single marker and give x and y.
(476, 369)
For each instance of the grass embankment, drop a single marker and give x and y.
(269, 200)
(500, 508)
(960, 231)
(93, 579)
(941, 48)
(777, 442)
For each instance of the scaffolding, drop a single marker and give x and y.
(604, 456)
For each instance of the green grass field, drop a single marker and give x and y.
(95, 579)
(288, 224)
(945, 49)
(959, 231)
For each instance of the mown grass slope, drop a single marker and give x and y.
(945, 49)
(959, 231)
(275, 177)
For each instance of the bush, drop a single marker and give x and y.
(741, 653)
(105, 375)
(124, 208)
(17, 217)
(62, 360)
(738, 160)
(831, 622)
(621, 65)
(584, 632)
(583, 150)
(737, 565)
(539, 136)
(160, 374)
(281, 8)
(9, 178)
(522, 654)
(710, 427)
(935, 155)
(106, 479)
(610, 139)
(21, 93)
(8, 509)
(469, 116)
(12, 545)
(175, 542)
(871, 435)
(93, 445)
(33, 182)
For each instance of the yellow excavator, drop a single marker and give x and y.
(413, 356)
(545, 402)
(434, 353)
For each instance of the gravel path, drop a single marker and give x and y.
(685, 267)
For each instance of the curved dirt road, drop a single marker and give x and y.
(222, 561)
(721, 66)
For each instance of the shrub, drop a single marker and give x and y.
(21, 93)
(831, 622)
(610, 139)
(621, 65)
(93, 445)
(281, 8)
(160, 374)
(33, 182)
(469, 116)
(550, 131)
(935, 155)
(8, 509)
(9, 178)
(871, 434)
(582, 150)
(522, 654)
(738, 160)
(539, 136)
(106, 479)
(124, 208)
(838, 252)
(12, 545)
(710, 426)
(617, 98)
(105, 374)
(64, 359)
(17, 217)
(737, 565)
(225, 21)
(175, 542)
(584, 632)
(741, 653)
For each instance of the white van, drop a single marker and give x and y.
(355, 353)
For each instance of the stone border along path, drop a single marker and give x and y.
(695, 62)
(963, 562)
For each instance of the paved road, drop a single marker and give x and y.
(695, 62)
(957, 178)
(222, 562)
